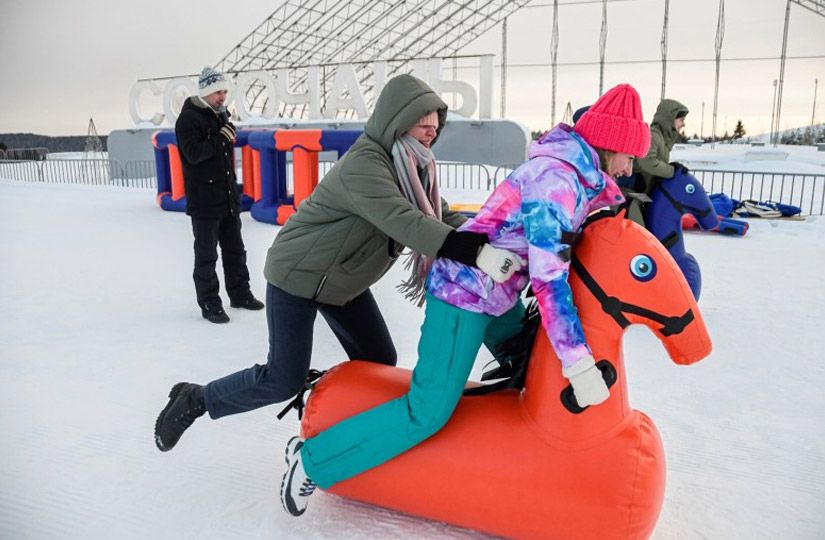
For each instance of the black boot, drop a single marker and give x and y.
(185, 405)
(215, 314)
(247, 302)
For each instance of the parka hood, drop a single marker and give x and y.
(666, 114)
(402, 103)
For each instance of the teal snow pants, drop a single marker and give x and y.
(450, 340)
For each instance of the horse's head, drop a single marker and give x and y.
(621, 275)
(682, 194)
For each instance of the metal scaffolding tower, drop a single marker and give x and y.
(554, 55)
(818, 7)
(330, 32)
(602, 46)
(720, 35)
(93, 146)
(663, 44)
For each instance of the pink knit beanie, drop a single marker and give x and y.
(615, 122)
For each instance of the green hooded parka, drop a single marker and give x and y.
(663, 135)
(353, 226)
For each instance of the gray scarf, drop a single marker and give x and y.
(409, 155)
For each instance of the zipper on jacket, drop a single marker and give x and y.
(320, 286)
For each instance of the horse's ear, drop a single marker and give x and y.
(621, 212)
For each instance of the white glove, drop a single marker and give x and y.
(499, 264)
(588, 385)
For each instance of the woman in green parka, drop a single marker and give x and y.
(665, 129)
(379, 198)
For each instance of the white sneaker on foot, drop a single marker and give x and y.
(296, 487)
(290, 448)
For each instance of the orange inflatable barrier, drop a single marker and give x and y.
(250, 167)
(531, 463)
(176, 172)
(304, 145)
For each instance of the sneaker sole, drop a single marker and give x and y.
(173, 395)
(290, 448)
(289, 474)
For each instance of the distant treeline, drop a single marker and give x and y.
(73, 143)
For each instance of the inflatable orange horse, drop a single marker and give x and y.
(531, 463)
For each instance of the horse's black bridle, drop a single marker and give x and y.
(614, 306)
(683, 208)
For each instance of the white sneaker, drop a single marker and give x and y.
(290, 448)
(296, 487)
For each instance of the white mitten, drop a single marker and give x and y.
(499, 264)
(588, 385)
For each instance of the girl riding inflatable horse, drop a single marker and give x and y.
(534, 214)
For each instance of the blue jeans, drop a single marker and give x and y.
(358, 325)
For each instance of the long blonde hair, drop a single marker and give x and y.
(604, 156)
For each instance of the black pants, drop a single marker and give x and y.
(358, 325)
(209, 232)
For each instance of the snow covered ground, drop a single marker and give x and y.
(99, 320)
(782, 158)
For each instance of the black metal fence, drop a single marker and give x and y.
(140, 174)
(804, 190)
(807, 191)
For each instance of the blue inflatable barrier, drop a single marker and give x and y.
(274, 202)
(171, 189)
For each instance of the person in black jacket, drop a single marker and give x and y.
(205, 141)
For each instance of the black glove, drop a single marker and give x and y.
(462, 246)
(678, 167)
(228, 131)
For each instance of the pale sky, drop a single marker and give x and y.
(64, 62)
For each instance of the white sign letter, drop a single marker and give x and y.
(173, 99)
(463, 89)
(485, 87)
(309, 97)
(379, 78)
(268, 94)
(345, 81)
(134, 102)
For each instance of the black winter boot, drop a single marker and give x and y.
(247, 302)
(215, 315)
(185, 405)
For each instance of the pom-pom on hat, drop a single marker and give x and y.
(211, 81)
(615, 122)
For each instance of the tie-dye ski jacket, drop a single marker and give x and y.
(552, 192)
